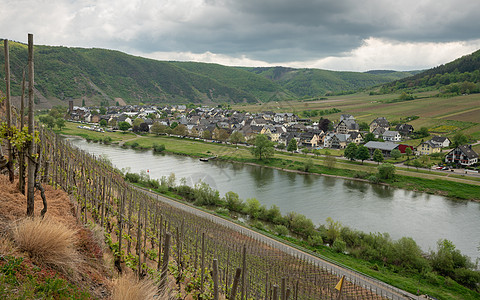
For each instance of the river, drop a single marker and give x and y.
(362, 206)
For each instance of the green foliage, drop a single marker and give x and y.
(158, 148)
(377, 156)
(263, 148)
(386, 171)
(362, 153)
(292, 145)
(237, 137)
(300, 224)
(233, 202)
(350, 151)
(339, 246)
(124, 126)
(280, 230)
(205, 195)
(132, 177)
(252, 208)
(396, 154)
(459, 139)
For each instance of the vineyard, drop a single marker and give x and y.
(198, 256)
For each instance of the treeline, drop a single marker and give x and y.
(320, 112)
(404, 256)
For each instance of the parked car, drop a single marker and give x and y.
(445, 168)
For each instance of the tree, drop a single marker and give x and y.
(459, 139)
(158, 128)
(362, 153)
(386, 171)
(222, 135)
(396, 154)
(48, 120)
(369, 137)
(292, 145)
(417, 164)
(237, 137)
(252, 208)
(180, 130)
(206, 134)
(124, 126)
(363, 126)
(409, 152)
(350, 151)
(103, 122)
(324, 124)
(137, 122)
(102, 110)
(60, 122)
(263, 148)
(377, 156)
(305, 151)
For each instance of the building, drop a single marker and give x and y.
(427, 148)
(379, 122)
(391, 136)
(404, 129)
(385, 147)
(444, 142)
(462, 155)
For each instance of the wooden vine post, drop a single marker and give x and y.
(215, 279)
(31, 146)
(8, 108)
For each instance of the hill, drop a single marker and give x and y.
(306, 83)
(457, 77)
(99, 75)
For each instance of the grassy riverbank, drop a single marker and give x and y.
(454, 186)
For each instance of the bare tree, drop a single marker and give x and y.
(31, 146)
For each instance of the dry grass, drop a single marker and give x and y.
(128, 287)
(47, 242)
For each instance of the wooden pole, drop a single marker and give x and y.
(166, 254)
(31, 146)
(8, 108)
(215, 279)
(235, 284)
(244, 267)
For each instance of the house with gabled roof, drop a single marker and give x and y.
(442, 141)
(391, 136)
(379, 122)
(427, 148)
(404, 129)
(462, 155)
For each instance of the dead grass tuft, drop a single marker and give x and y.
(47, 242)
(128, 287)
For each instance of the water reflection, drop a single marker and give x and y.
(383, 191)
(262, 176)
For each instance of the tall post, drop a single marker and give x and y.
(21, 160)
(8, 108)
(31, 146)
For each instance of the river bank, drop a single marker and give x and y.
(455, 187)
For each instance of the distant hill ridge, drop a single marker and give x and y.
(99, 75)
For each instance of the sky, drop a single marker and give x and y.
(341, 35)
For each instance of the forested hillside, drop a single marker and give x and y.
(315, 82)
(457, 77)
(99, 75)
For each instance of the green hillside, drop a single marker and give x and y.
(457, 77)
(99, 75)
(315, 82)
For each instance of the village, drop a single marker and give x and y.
(224, 125)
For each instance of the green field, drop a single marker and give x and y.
(455, 114)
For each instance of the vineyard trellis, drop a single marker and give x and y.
(193, 250)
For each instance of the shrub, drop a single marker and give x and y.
(339, 246)
(158, 148)
(129, 287)
(373, 179)
(315, 240)
(222, 211)
(47, 242)
(468, 278)
(280, 230)
(132, 177)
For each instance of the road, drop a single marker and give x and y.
(351, 275)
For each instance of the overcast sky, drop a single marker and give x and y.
(345, 35)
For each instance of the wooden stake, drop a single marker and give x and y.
(215, 279)
(31, 147)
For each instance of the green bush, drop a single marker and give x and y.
(315, 240)
(339, 246)
(158, 148)
(132, 177)
(280, 230)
